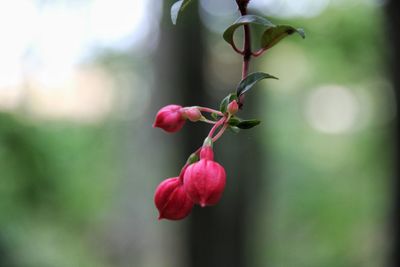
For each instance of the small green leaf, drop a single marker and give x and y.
(224, 103)
(274, 35)
(248, 124)
(177, 8)
(247, 19)
(236, 122)
(233, 121)
(234, 129)
(247, 83)
(192, 158)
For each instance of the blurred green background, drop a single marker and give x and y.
(79, 161)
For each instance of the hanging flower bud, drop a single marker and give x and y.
(204, 181)
(171, 200)
(192, 113)
(170, 118)
(233, 107)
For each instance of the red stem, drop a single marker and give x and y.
(210, 110)
(204, 119)
(223, 121)
(242, 4)
(247, 42)
(220, 133)
(214, 128)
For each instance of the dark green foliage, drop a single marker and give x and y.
(247, 83)
(272, 34)
(275, 34)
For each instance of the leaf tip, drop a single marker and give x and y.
(301, 32)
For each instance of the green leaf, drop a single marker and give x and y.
(192, 158)
(247, 83)
(233, 121)
(236, 122)
(243, 20)
(177, 8)
(274, 35)
(248, 124)
(224, 103)
(234, 129)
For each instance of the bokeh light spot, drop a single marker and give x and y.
(332, 109)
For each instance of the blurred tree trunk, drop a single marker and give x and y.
(393, 23)
(216, 236)
(5, 256)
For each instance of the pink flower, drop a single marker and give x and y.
(170, 118)
(204, 181)
(171, 200)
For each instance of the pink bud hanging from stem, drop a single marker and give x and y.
(171, 200)
(204, 181)
(170, 118)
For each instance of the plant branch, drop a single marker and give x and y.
(210, 110)
(221, 132)
(215, 127)
(204, 119)
(247, 40)
(242, 4)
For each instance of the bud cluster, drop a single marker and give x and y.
(202, 180)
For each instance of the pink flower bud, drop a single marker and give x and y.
(170, 118)
(171, 200)
(192, 113)
(204, 181)
(233, 107)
